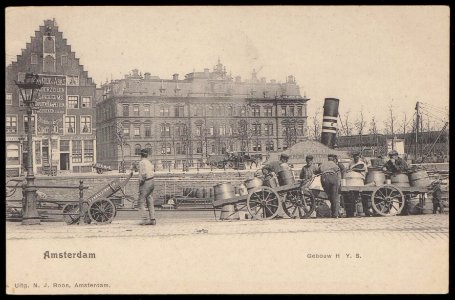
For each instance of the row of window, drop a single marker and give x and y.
(85, 125)
(181, 130)
(63, 59)
(167, 148)
(81, 151)
(72, 101)
(179, 111)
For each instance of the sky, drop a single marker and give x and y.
(369, 57)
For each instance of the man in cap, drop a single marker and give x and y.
(146, 187)
(282, 164)
(437, 197)
(330, 181)
(357, 164)
(395, 165)
(308, 169)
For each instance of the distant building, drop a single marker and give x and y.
(375, 145)
(183, 121)
(64, 125)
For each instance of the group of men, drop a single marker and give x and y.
(332, 172)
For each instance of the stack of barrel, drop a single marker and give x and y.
(203, 193)
(417, 178)
(224, 191)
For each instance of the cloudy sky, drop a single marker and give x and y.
(367, 57)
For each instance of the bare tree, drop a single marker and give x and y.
(315, 133)
(374, 130)
(360, 125)
(346, 124)
(390, 123)
(120, 139)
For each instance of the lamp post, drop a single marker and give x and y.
(29, 89)
(21, 139)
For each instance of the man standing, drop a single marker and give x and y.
(395, 165)
(308, 169)
(331, 183)
(146, 187)
(437, 197)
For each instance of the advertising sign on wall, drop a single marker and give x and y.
(51, 103)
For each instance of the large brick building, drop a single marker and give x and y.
(206, 113)
(63, 127)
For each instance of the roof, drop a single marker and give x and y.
(299, 151)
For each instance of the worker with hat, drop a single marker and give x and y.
(395, 164)
(330, 182)
(436, 194)
(146, 187)
(280, 165)
(308, 169)
(357, 164)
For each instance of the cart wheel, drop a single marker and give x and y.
(263, 203)
(71, 213)
(387, 200)
(299, 204)
(102, 211)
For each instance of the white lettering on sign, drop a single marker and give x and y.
(51, 100)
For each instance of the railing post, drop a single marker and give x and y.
(81, 199)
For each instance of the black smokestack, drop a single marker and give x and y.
(329, 122)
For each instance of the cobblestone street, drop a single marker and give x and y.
(352, 255)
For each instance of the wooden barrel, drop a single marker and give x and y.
(412, 207)
(353, 179)
(229, 212)
(199, 193)
(400, 180)
(419, 178)
(223, 191)
(253, 183)
(285, 177)
(376, 162)
(376, 176)
(194, 192)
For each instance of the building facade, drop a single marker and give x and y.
(64, 124)
(433, 145)
(186, 121)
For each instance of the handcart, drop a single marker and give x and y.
(99, 207)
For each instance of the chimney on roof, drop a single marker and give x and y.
(147, 76)
(175, 77)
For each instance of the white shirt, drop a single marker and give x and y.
(145, 169)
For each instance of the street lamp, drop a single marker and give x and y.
(21, 139)
(29, 89)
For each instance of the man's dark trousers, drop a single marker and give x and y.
(331, 184)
